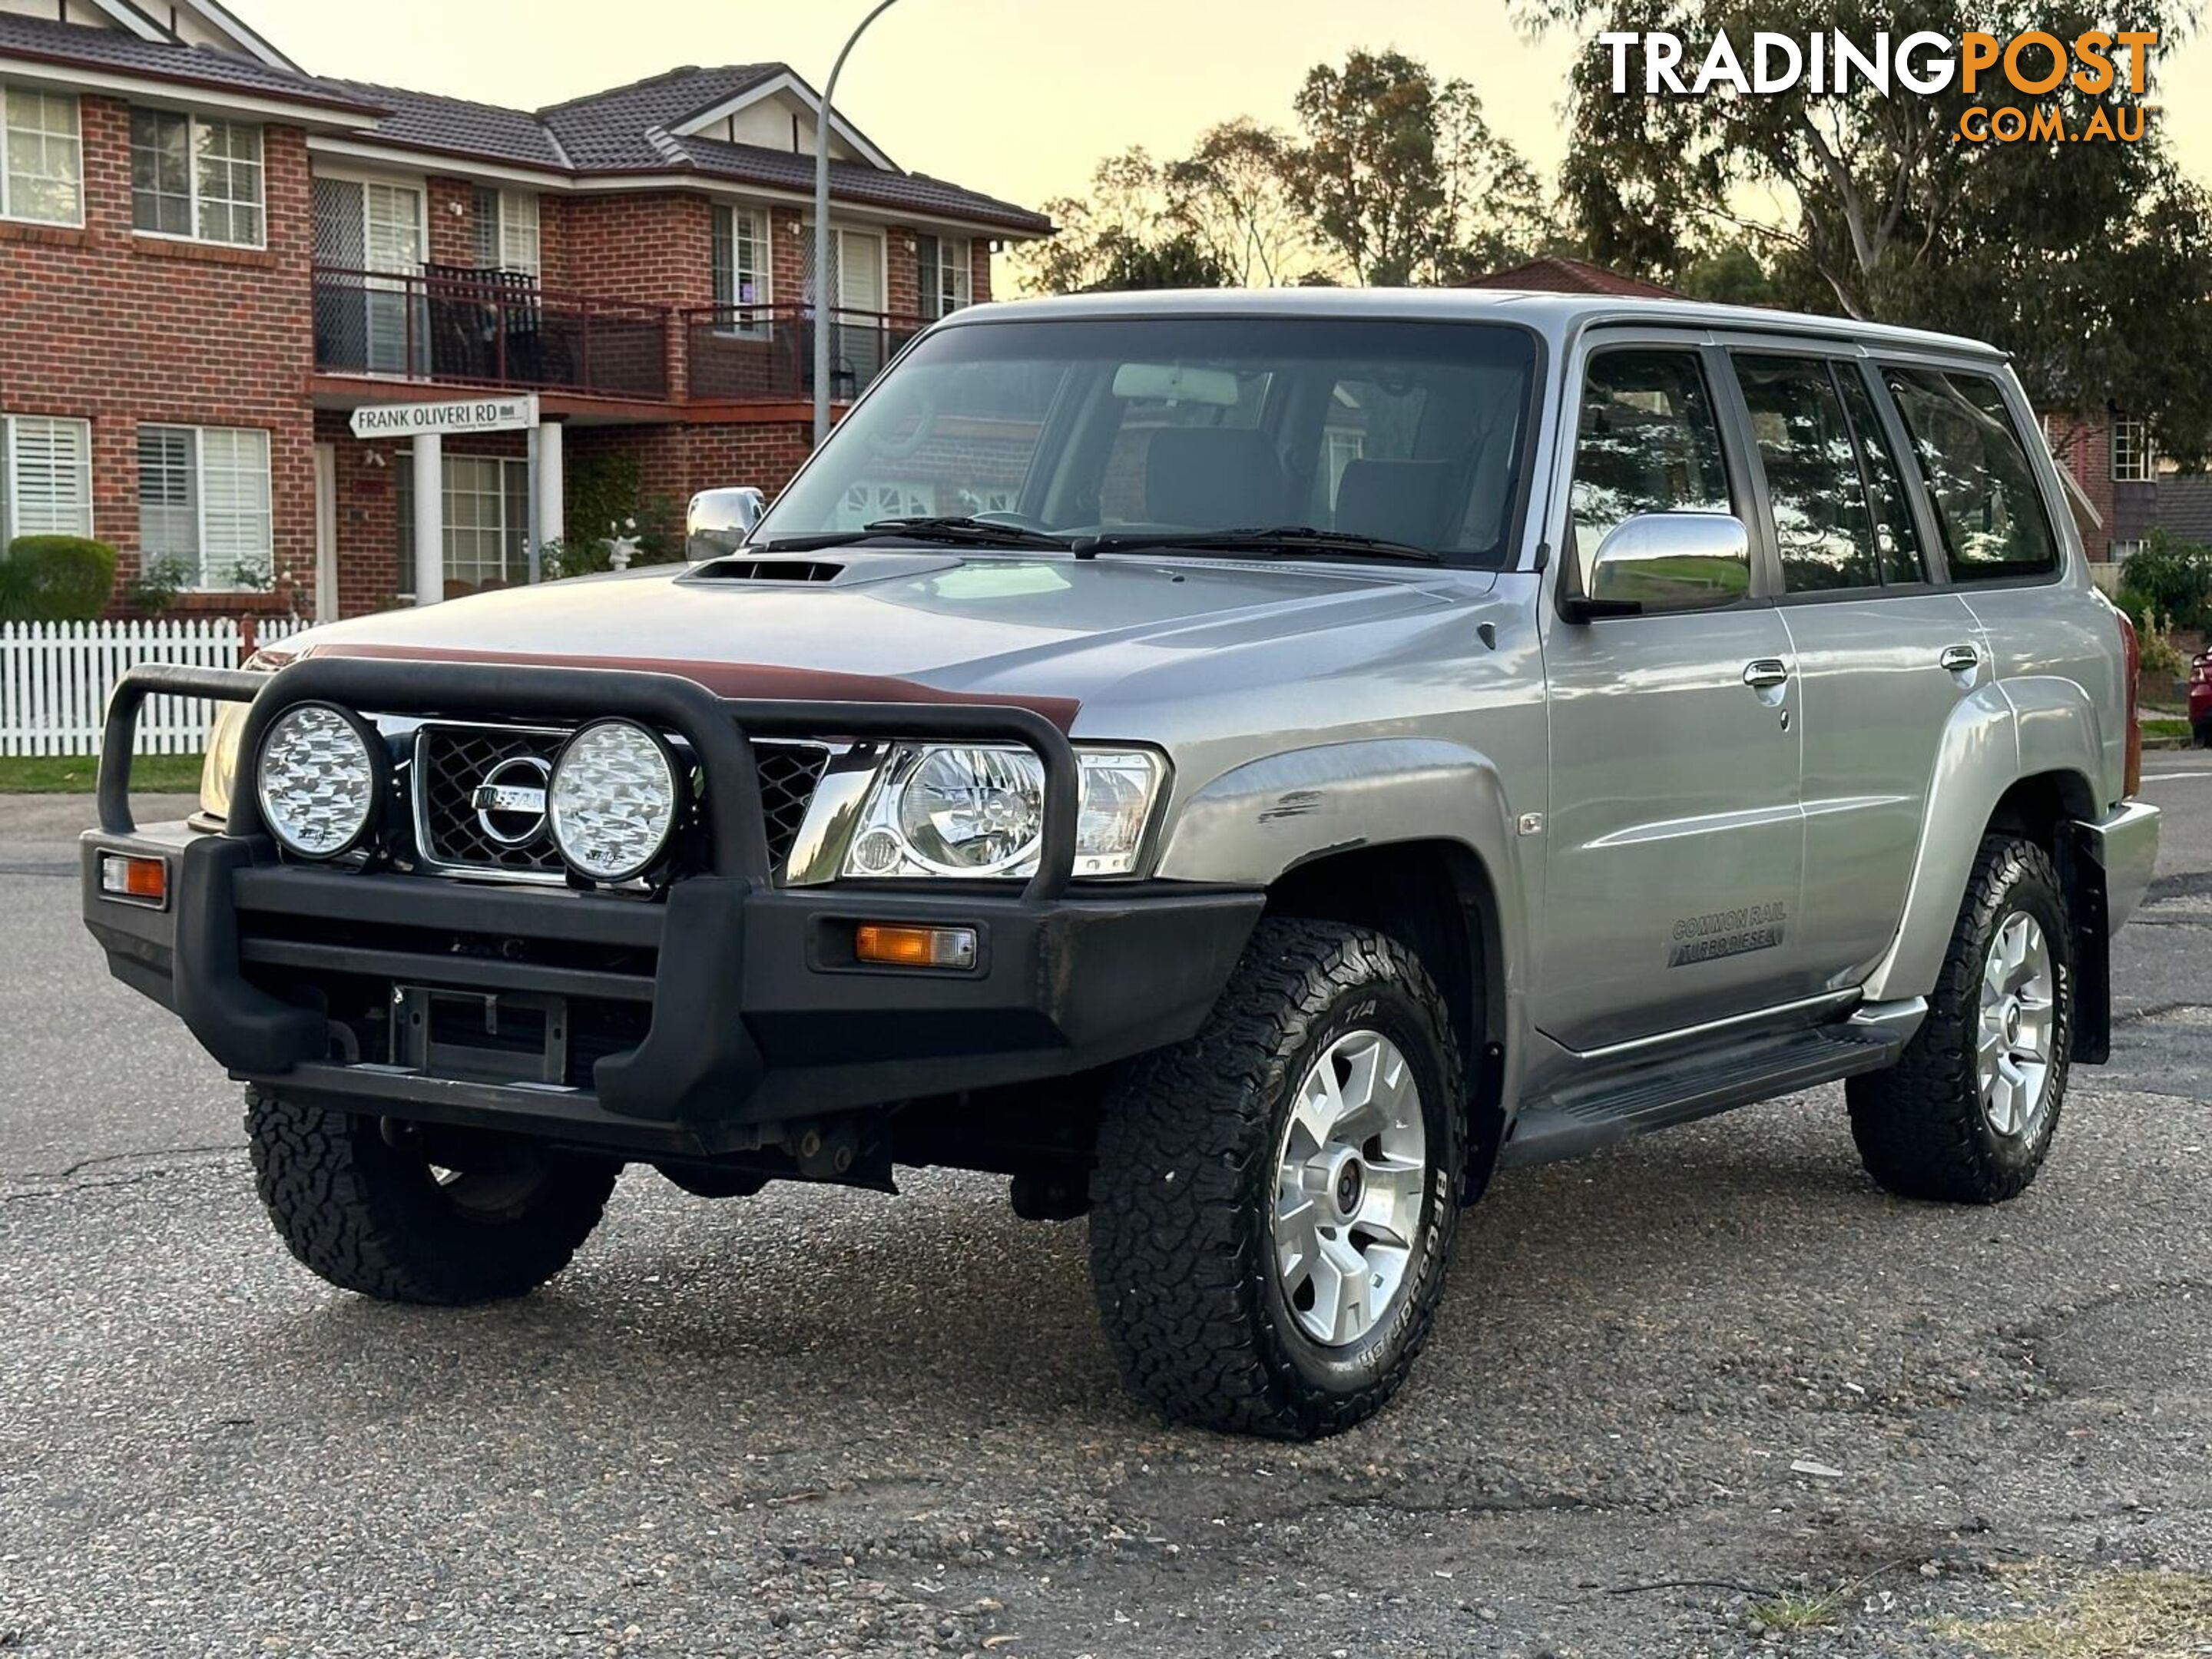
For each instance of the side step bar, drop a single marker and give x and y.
(1571, 1124)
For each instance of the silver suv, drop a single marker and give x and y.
(1244, 767)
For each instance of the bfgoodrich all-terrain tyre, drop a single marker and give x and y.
(1274, 1199)
(1968, 1113)
(449, 1220)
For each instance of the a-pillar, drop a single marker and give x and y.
(429, 518)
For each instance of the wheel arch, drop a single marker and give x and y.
(1389, 833)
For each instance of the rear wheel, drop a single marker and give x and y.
(406, 1213)
(1274, 1199)
(1968, 1113)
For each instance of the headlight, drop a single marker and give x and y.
(614, 799)
(978, 810)
(219, 770)
(318, 779)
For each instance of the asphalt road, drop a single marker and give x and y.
(819, 1422)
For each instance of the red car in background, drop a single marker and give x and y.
(2200, 698)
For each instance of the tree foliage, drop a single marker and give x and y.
(1403, 177)
(1391, 177)
(2090, 261)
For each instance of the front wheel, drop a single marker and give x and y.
(1968, 1114)
(407, 1214)
(1274, 1199)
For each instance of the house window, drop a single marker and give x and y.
(195, 178)
(2121, 552)
(507, 231)
(42, 165)
(946, 277)
(46, 477)
(741, 270)
(487, 512)
(2133, 461)
(204, 503)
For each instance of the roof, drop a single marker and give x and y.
(609, 129)
(624, 129)
(1555, 274)
(2185, 506)
(424, 120)
(117, 53)
(1555, 316)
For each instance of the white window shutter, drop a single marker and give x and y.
(52, 477)
(234, 504)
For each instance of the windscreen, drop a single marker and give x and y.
(1409, 432)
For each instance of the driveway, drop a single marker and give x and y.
(1702, 1388)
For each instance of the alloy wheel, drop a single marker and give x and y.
(1353, 1177)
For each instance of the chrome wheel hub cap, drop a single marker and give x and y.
(1353, 1169)
(2018, 1017)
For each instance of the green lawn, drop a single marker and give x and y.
(68, 774)
(2174, 728)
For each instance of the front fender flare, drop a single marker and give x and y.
(1254, 822)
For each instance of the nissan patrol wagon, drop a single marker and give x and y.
(1245, 768)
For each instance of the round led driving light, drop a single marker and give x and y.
(614, 801)
(973, 811)
(318, 779)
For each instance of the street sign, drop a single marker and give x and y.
(515, 414)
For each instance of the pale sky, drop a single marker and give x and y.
(1017, 98)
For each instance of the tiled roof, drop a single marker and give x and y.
(1555, 275)
(423, 120)
(622, 130)
(117, 52)
(2185, 506)
(917, 192)
(608, 129)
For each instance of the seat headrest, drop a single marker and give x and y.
(1398, 501)
(1215, 477)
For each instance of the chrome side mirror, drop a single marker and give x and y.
(1663, 562)
(719, 521)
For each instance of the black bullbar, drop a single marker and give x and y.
(754, 1011)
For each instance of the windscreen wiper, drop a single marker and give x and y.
(958, 531)
(1283, 538)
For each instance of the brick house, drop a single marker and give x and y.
(208, 258)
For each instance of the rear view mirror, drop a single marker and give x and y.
(719, 520)
(1664, 561)
(1176, 383)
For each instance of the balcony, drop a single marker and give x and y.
(748, 354)
(457, 325)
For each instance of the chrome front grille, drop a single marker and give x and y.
(452, 763)
(460, 829)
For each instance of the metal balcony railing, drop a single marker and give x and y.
(742, 353)
(467, 326)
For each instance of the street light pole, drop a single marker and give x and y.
(823, 300)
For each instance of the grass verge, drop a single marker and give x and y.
(2126, 1615)
(75, 775)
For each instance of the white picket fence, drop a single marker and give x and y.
(55, 678)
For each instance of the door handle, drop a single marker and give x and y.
(1764, 673)
(1960, 658)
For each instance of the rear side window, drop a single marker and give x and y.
(1894, 533)
(1822, 526)
(1987, 505)
(1646, 442)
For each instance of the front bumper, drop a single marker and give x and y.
(708, 1020)
(749, 1010)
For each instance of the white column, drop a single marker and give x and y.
(429, 519)
(550, 526)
